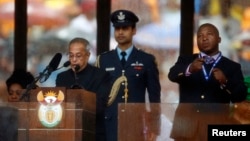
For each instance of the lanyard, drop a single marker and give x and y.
(206, 75)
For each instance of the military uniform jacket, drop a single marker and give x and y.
(141, 72)
(196, 89)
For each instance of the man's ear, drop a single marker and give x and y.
(219, 40)
(134, 31)
(89, 53)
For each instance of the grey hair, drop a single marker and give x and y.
(83, 41)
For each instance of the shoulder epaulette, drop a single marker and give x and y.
(97, 64)
(139, 49)
(105, 52)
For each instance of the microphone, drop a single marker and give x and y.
(66, 64)
(76, 85)
(43, 76)
(77, 67)
(51, 67)
(54, 63)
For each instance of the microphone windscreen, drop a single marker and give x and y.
(66, 64)
(55, 62)
(77, 67)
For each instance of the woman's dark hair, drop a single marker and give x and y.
(21, 77)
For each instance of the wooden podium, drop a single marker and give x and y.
(169, 121)
(77, 123)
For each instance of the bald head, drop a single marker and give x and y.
(205, 25)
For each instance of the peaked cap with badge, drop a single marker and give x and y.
(123, 18)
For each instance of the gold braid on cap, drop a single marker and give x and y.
(116, 87)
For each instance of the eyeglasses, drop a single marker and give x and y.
(77, 56)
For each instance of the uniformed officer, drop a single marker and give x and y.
(134, 71)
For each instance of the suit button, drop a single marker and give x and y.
(137, 75)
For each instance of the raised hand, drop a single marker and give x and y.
(196, 65)
(219, 76)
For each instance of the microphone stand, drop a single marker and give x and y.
(76, 85)
(45, 75)
(32, 85)
(26, 96)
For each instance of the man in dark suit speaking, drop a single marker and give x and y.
(83, 75)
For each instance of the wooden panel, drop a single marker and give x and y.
(165, 121)
(137, 122)
(78, 120)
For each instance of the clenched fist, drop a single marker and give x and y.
(219, 76)
(196, 65)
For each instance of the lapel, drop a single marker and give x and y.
(115, 58)
(131, 57)
(208, 67)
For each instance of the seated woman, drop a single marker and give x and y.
(19, 80)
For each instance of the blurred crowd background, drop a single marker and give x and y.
(52, 23)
